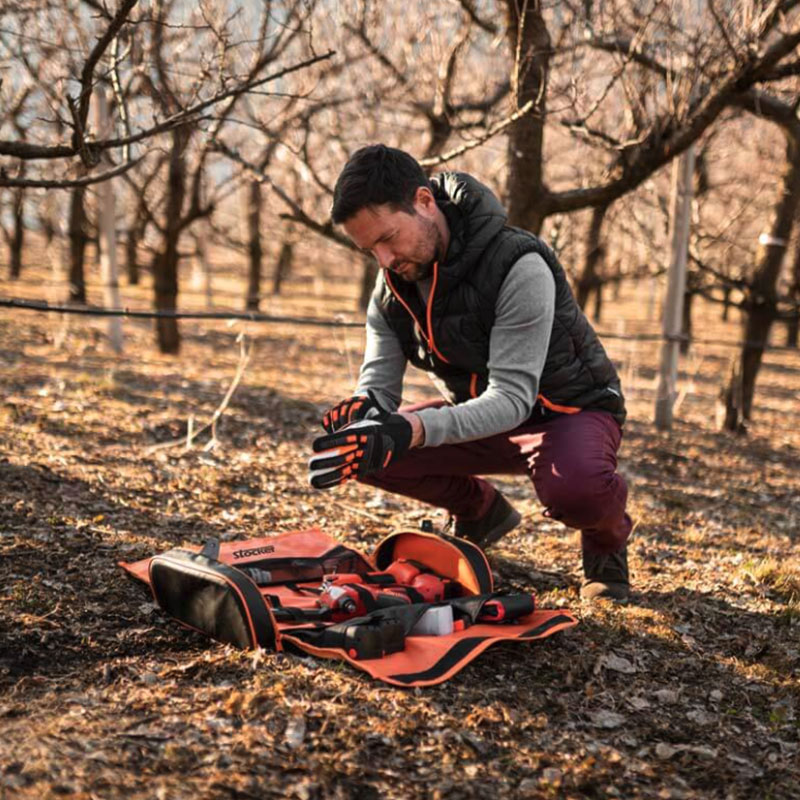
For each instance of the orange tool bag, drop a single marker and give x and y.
(413, 613)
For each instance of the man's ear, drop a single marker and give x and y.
(424, 202)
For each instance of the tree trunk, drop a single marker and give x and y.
(598, 302)
(756, 333)
(529, 42)
(255, 252)
(284, 265)
(726, 303)
(78, 238)
(165, 272)
(135, 235)
(368, 277)
(17, 240)
(793, 325)
(440, 129)
(793, 330)
(686, 321)
(165, 264)
(595, 253)
(762, 305)
(132, 254)
(729, 408)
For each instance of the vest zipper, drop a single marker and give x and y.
(427, 332)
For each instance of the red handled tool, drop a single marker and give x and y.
(403, 582)
(507, 609)
(421, 584)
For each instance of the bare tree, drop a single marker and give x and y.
(74, 110)
(255, 250)
(531, 50)
(589, 280)
(719, 77)
(15, 102)
(78, 233)
(184, 202)
(761, 299)
(15, 235)
(431, 95)
(140, 217)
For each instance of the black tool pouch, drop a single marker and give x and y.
(213, 598)
(374, 639)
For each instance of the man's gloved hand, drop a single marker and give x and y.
(360, 406)
(363, 447)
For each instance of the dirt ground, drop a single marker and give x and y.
(692, 690)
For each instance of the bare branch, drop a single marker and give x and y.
(485, 25)
(87, 73)
(770, 107)
(771, 14)
(34, 151)
(660, 146)
(447, 72)
(298, 214)
(592, 135)
(736, 283)
(31, 183)
(30, 151)
(632, 50)
(487, 103)
(361, 33)
(493, 131)
(788, 70)
(734, 51)
(188, 115)
(119, 96)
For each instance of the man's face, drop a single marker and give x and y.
(403, 243)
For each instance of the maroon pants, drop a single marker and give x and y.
(572, 461)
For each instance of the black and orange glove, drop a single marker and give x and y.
(352, 409)
(359, 449)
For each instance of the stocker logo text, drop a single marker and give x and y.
(254, 551)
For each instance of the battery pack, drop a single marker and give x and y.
(436, 621)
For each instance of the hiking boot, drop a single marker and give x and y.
(501, 518)
(606, 575)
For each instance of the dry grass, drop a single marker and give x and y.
(691, 691)
(782, 578)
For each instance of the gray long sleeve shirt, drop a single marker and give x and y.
(518, 346)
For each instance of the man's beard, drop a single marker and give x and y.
(416, 272)
(419, 270)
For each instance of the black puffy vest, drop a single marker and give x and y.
(449, 338)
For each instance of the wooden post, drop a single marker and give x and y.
(683, 171)
(106, 231)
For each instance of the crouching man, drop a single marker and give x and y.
(486, 310)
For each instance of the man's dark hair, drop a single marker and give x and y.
(375, 175)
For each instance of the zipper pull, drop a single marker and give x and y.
(425, 338)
